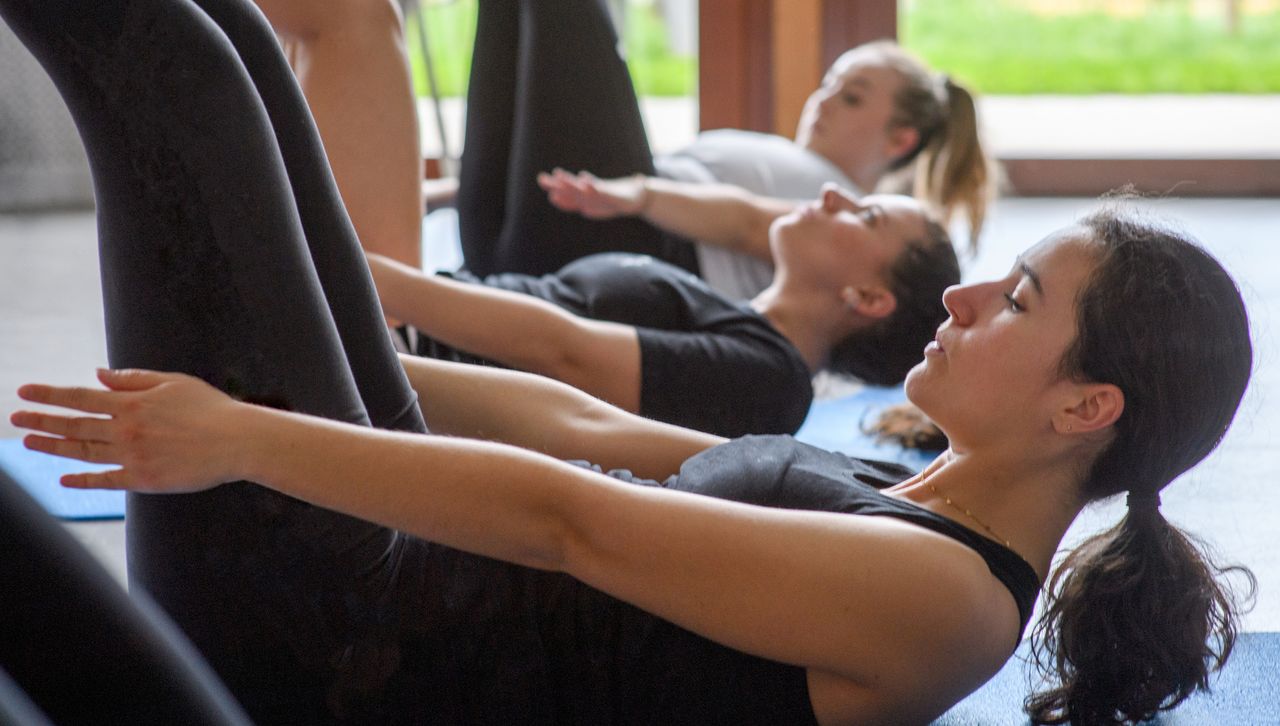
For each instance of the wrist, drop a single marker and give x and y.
(246, 432)
(645, 196)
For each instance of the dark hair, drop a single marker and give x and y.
(1136, 616)
(907, 426)
(952, 172)
(882, 353)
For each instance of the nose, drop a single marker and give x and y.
(957, 299)
(835, 199)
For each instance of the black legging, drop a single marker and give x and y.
(76, 650)
(548, 88)
(222, 238)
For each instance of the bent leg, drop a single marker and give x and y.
(538, 100)
(206, 270)
(351, 61)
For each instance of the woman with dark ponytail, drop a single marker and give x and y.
(335, 563)
(1136, 617)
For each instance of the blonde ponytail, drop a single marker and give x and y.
(952, 171)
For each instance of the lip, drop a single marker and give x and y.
(934, 348)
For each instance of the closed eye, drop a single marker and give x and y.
(1014, 305)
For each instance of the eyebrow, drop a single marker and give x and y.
(1033, 276)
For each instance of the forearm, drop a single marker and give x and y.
(719, 214)
(512, 329)
(492, 499)
(537, 413)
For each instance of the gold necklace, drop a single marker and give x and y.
(967, 513)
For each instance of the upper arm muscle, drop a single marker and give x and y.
(865, 598)
(603, 359)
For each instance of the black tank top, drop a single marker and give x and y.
(512, 645)
(778, 471)
(657, 673)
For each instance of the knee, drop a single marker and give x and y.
(309, 21)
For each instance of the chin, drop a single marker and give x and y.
(914, 383)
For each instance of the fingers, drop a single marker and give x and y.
(562, 193)
(89, 400)
(557, 178)
(133, 379)
(111, 479)
(69, 427)
(94, 452)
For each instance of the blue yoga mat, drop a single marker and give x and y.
(1243, 693)
(39, 473)
(836, 424)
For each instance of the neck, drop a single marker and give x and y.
(804, 320)
(1028, 503)
(864, 174)
(866, 179)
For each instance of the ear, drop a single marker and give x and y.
(869, 301)
(900, 140)
(1094, 406)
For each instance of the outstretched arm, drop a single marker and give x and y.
(719, 214)
(521, 331)
(897, 620)
(537, 413)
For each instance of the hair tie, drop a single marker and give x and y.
(1143, 500)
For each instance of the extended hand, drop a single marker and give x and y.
(592, 197)
(164, 429)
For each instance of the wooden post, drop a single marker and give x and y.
(798, 60)
(734, 61)
(759, 59)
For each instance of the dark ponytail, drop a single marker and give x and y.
(1138, 617)
(1135, 622)
(882, 353)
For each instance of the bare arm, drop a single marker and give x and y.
(719, 214)
(907, 616)
(537, 413)
(599, 357)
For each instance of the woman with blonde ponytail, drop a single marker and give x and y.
(537, 104)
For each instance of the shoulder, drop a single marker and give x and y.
(942, 626)
(738, 138)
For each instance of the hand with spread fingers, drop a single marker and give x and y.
(159, 427)
(595, 198)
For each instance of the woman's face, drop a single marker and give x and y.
(992, 372)
(846, 120)
(839, 240)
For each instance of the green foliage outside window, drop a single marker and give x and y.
(997, 46)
